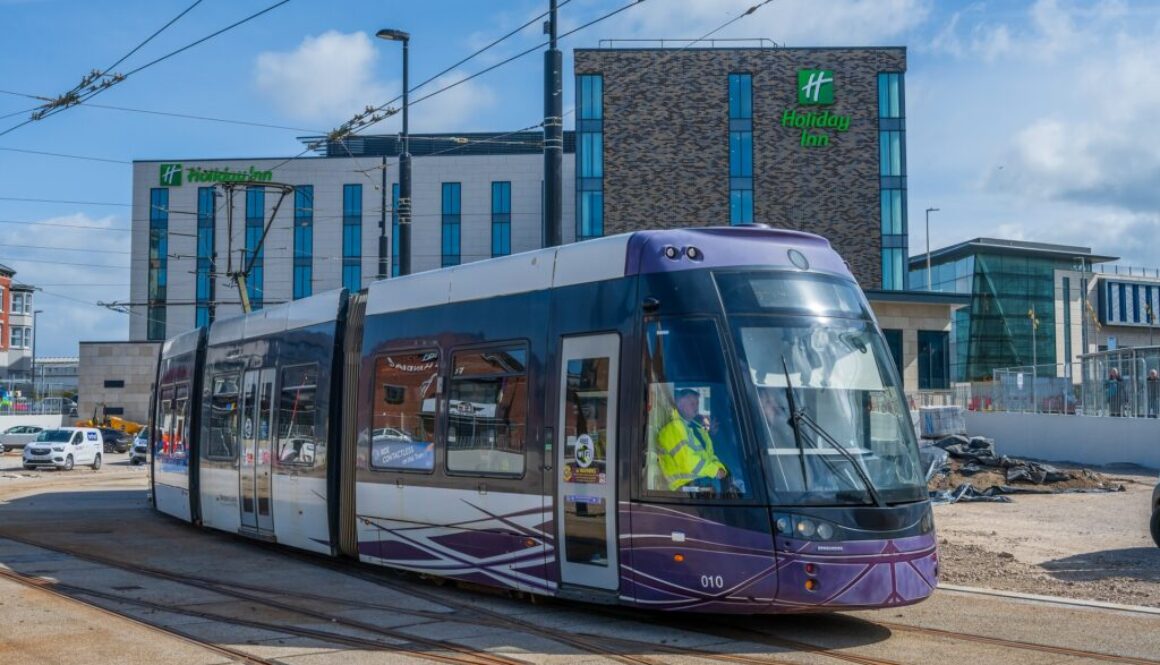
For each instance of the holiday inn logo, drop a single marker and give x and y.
(171, 175)
(815, 86)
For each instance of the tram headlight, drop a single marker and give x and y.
(825, 531)
(806, 528)
(783, 525)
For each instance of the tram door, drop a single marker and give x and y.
(254, 476)
(586, 462)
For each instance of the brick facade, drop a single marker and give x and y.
(666, 142)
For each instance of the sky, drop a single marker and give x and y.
(1031, 120)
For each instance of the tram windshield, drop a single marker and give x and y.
(839, 371)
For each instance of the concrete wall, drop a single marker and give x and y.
(135, 363)
(1080, 439)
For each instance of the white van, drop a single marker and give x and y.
(64, 447)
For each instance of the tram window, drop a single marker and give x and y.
(403, 417)
(222, 443)
(487, 411)
(693, 447)
(298, 441)
(165, 418)
(180, 422)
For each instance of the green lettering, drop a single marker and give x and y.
(788, 117)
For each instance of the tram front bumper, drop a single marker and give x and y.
(840, 575)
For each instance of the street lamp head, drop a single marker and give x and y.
(393, 35)
(932, 209)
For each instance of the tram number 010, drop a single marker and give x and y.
(712, 582)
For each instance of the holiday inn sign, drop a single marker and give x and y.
(815, 87)
(172, 175)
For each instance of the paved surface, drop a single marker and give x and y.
(175, 594)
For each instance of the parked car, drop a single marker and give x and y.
(116, 441)
(139, 453)
(64, 447)
(1156, 514)
(18, 436)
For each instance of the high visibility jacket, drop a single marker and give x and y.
(685, 453)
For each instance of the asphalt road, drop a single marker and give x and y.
(90, 574)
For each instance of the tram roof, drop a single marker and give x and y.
(637, 253)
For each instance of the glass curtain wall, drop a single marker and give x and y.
(158, 261)
(255, 223)
(204, 290)
(352, 209)
(892, 178)
(589, 156)
(740, 149)
(303, 241)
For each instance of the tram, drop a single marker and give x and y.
(699, 420)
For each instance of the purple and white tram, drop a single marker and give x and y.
(498, 423)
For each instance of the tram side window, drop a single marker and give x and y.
(403, 419)
(487, 411)
(163, 444)
(222, 442)
(692, 447)
(299, 443)
(180, 422)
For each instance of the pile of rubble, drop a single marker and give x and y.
(967, 469)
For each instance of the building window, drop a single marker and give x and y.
(1067, 358)
(303, 241)
(740, 149)
(487, 411)
(395, 230)
(114, 383)
(17, 341)
(17, 303)
(894, 343)
(1, 298)
(933, 360)
(590, 156)
(352, 237)
(451, 218)
(114, 410)
(158, 272)
(501, 218)
(204, 288)
(892, 179)
(255, 224)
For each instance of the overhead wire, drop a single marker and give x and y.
(75, 97)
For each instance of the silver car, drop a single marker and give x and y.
(139, 452)
(18, 436)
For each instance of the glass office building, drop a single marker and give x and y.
(1011, 318)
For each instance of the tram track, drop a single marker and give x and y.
(49, 588)
(594, 644)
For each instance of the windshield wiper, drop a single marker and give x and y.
(798, 416)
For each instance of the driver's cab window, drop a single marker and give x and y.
(693, 444)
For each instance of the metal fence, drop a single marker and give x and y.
(1124, 383)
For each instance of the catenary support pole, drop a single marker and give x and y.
(553, 138)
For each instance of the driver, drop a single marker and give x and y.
(685, 448)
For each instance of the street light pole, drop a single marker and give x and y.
(35, 334)
(928, 278)
(404, 160)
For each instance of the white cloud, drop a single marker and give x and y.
(1104, 146)
(69, 292)
(326, 79)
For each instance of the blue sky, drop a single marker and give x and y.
(1028, 120)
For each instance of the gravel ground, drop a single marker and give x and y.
(1087, 546)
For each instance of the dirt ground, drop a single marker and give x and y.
(1087, 546)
